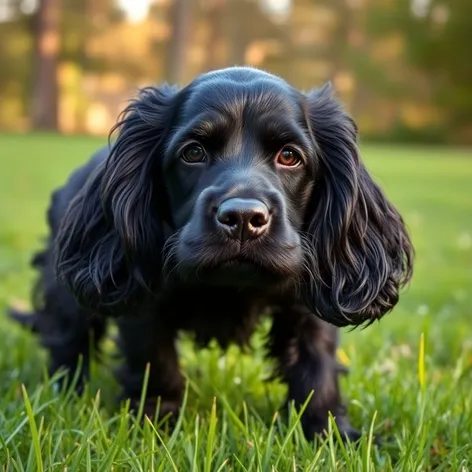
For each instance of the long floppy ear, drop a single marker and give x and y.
(359, 253)
(109, 243)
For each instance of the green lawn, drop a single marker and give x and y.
(424, 429)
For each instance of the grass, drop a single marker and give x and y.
(410, 378)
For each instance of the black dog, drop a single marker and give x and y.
(234, 195)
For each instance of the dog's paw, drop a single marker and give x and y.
(157, 409)
(313, 429)
(350, 434)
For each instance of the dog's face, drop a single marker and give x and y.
(237, 179)
(239, 170)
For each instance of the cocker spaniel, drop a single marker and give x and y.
(234, 196)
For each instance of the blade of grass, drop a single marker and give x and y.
(178, 424)
(197, 441)
(142, 402)
(211, 437)
(35, 440)
(421, 364)
(368, 449)
(296, 420)
(163, 444)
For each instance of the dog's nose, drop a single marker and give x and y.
(243, 218)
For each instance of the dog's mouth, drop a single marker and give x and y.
(237, 266)
(238, 260)
(237, 270)
(232, 264)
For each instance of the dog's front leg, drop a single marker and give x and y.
(144, 340)
(305, 350)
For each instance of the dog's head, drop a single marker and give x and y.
(237, 179)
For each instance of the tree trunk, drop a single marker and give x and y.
(46, 57)
(238, 34)
(215, 46)
(181, 17)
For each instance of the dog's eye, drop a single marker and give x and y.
(288, 158)
(194, 153)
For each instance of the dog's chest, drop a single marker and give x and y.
(224, 314)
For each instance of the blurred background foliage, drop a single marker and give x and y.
(403, 67)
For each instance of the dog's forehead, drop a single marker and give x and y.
(234, 94)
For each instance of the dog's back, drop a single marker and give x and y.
(42, 260)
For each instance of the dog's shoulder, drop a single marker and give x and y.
(77, 180)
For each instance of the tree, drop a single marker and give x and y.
(46, 56)
(181, 14)
(215, 17)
